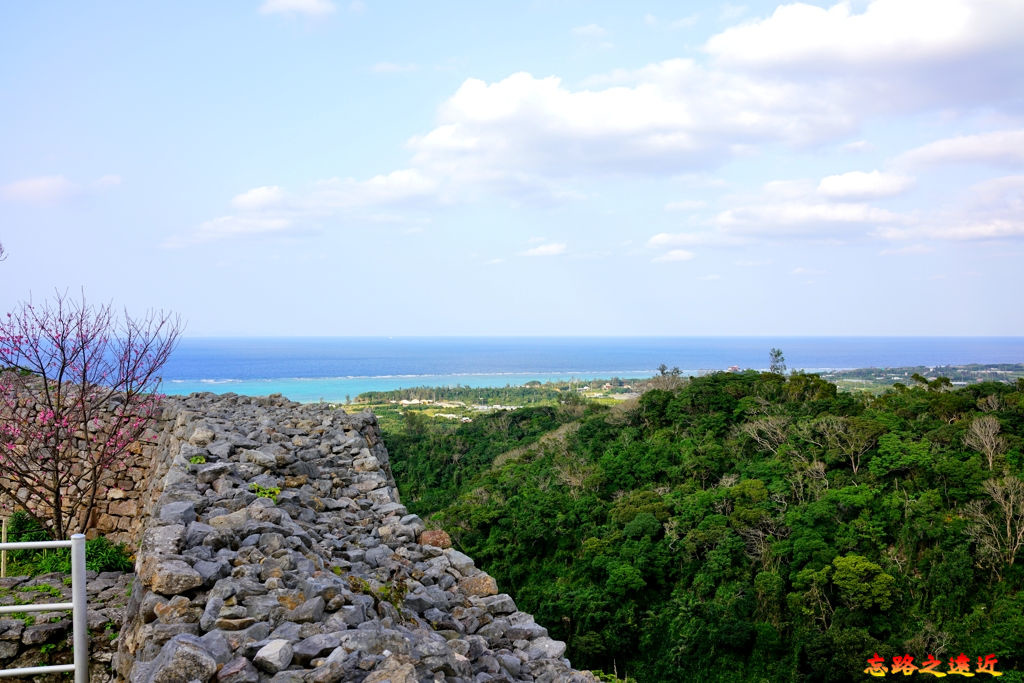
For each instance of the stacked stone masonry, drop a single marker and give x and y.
(121, 495)
(274, 548)
(44, 638)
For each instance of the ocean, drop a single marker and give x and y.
(333, 369)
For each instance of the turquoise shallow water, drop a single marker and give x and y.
(336, 389)
(311, 369)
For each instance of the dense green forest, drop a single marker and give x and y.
(745, 526)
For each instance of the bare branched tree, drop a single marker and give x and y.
(573, 471)
(989, 403)
(997, 523)
(760, 538)
(848, 436)
(77, 390)
(983, 436)
(768, 432)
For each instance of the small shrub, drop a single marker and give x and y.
(52, 591)
(21, 528)
(103, 556)
(197, 459)
(100, 554)
(270, 492)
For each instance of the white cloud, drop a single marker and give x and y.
(39, 190)
(731, 12)
(675, 24)
(404, 186)
(671, 117)
(393, 68)
(857, 146)
(994, 229)
(552, 249)
(590, 31)
(240, 225)
(229, 226)
(861, 185)
(992, 210)
(110, 180)
(686, 205)
(886, 33)
(910, 249)
(259, 198)
(272, 209)
(673, 255)
(800, 217)
(695, 239)
(895, 55)
(309, 7)
(538, 139)
(996, 147)
(800, 270)
(685, 22)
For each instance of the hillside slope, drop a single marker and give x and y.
(752, 526)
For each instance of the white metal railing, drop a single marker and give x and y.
(79, 621)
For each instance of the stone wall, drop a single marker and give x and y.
(29, 639)
(274, 547)
(116, 513)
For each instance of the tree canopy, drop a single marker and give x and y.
(747, 526)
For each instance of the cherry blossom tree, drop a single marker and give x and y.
(78, 386)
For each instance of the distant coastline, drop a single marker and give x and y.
(331, 369)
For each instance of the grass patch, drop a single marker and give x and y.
(100, 554)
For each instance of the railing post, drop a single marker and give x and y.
(80, 618)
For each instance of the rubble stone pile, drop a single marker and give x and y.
(276, 549)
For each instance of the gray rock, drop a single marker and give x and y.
(309, 611)
(10, 629)
(214, 604)
(217, 645)
(163, 540)
(173, 577)
(376, 641)
(182, 658)
(210, 472)
(231, 521)
(238, 670)
(210, 572)
(201, 434)
(316, 646)
(182, 512)
(8, 650)
(546, 648)
(461, 562)
(274, 656)
(221, 449)
(499, 604)
(44, 633)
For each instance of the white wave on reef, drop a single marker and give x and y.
(339, 378)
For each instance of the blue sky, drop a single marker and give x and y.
(323, 167)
